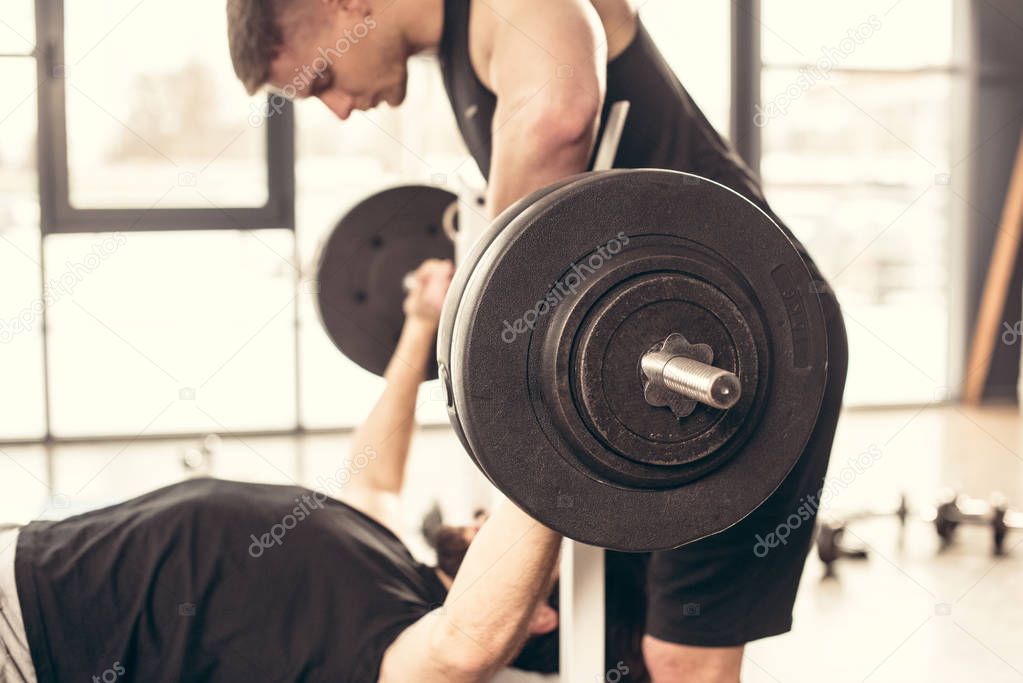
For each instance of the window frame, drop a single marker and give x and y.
(58, 215)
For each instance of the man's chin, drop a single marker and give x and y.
(397, 95)
(396, 99)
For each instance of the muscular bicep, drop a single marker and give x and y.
(547, 65)
(545, 55)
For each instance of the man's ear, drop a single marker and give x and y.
(544, 620)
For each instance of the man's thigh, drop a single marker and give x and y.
(740, 585)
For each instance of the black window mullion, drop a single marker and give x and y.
(745, 80)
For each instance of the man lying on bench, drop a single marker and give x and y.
(213, 580)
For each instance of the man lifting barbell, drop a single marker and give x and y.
(531, 83)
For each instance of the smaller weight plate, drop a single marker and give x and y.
(363, 263)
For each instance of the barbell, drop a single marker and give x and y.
(634, 357)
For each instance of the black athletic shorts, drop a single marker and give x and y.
(734, 587)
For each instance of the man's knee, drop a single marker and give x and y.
(671, 663)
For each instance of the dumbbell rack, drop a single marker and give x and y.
(951, 512)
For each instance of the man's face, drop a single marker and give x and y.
(452, 542)
(342, 55)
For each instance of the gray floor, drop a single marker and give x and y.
(909, 613)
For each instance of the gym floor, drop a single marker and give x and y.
(911, 612)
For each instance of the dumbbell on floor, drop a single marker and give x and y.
(831, 531)
(954, 510)
(831, 546)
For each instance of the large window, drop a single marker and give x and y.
(166, 279)
(172, 332)
(855, 118)
(185, 302)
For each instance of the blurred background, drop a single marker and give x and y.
(855, 164)
(159, 232)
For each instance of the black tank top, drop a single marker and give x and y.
(665, 128)
(189, 583)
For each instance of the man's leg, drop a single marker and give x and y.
(708, 599)
(668, 662)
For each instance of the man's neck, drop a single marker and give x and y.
(423, 23)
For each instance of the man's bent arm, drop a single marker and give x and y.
(482, 625)
(383, 440)
(548, 68)
(387, 433)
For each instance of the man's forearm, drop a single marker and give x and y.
(484, 620)
(388, 429)
(504, 576)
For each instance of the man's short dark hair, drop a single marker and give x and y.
(451, 547)
(255, 38)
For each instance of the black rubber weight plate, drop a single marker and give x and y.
(364, 261)
(504, 422)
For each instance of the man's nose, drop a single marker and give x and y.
(337, 102)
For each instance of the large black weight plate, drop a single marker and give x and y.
(362, 265)
(558, 431)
